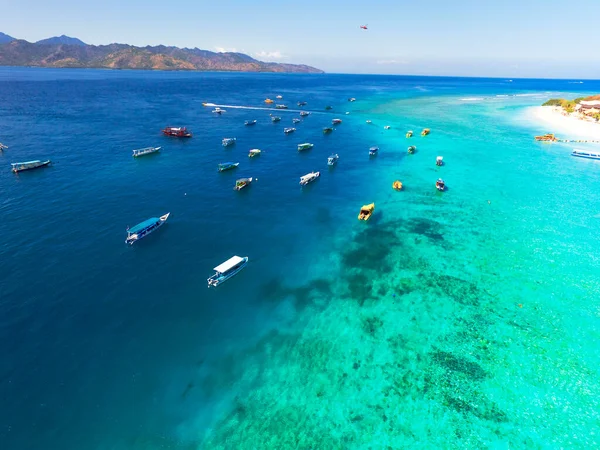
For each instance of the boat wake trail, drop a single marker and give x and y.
(259, 108)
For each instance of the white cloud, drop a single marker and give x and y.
(391, 61)
(269, 55)
(225, 50)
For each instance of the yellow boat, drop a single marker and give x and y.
(546, 138)
(366, 212)
(269, 101)
(397, 185)
(409, 134)
(425, 132)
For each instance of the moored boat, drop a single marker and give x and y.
(228, 166)
(549, 137)
(145, 151)
(439, 161)
(336, 121)
(332, 160)
(3, 147)
(289, 130)
(177, 132)
(373, 151)
(226, 270)
(275, 119)
(29, 165)
(309, 178)
(440, 185)
(301, 103)
(268, 100)
(305, 146)
(218, 111)
(412, 149)
(366, 212)
(242, 183)
(327, 108)
(226, 142)
(409, 134)
(327, 130)
(281, 107)
(352, 99)
(368, 121)
(249, 123)
(254, 152)
(304, 113)
(585, 154)
(296, 120)
(387, 127)
(397, 185)
(279, 97)
(144, 228)
(425, 131)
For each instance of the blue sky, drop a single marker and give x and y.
(543, 38)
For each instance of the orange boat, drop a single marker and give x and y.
(269, 101)
(546, 138)
(397, 185)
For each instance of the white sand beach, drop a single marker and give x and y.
(564, 126)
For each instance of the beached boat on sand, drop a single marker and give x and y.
(226, 270)
(332, 160)
(144, 228)
(440, 185)
(145, 151)
(228, 166)
(439, 161)
(177, 132)
(242, 183)
(366, 212)
(226, 142)
(309, 178)
(305, 146)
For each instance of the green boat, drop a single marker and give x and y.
(227, 166)
(327, 108)
(412, 149)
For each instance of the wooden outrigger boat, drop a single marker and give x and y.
(146, 151)
(144, 228)
(366, 212)
(29, 165)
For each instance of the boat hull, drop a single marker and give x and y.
(218, 279)
(586, 156)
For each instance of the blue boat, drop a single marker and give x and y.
(332, 160)
(144, 228)
(226, 270)
(227, 166)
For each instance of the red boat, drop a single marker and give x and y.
(177, 132)
(440, 185)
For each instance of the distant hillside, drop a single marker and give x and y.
(57, 40)
(65, 51)
(4, 38)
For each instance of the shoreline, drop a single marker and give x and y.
(563, 125)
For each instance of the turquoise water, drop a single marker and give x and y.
(462, 319)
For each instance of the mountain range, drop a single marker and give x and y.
(65, 51)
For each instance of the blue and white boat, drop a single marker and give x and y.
(296, 120)
(226, 270)
(145, 151)
(228, 141)
(585, 154)
(29, 165)
(373, 151)
(144, 228)
(332, 160)
(250, 122)
(227, 166)
(289, 130)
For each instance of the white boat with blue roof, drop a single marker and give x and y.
(144, 228)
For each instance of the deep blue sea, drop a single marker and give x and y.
(462, 319)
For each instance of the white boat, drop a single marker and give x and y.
(332, 160)
(242, 183)
(226, 270)
(585, 154)
(305, 146)
(439, 161)
(281, 107)
(228, 141)
(3, 147)
(368, 121)
(309, 178)
(219, 111)
(144, 228)
(254, 152)
(387, 127)
(296, 120)
(279, 97)
(145, 151)
(28, 165)
(304, 113)
(352, 99)
(373, 151)
(289, 130)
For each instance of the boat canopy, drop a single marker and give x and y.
(26, 162)
(229, 264)
(143, 225)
